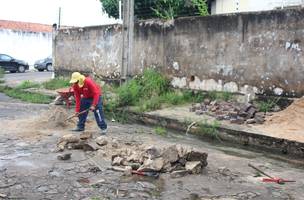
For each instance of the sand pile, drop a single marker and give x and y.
(288, 123)
(292, 115)
(56, 118)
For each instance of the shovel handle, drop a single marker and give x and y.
(250, 165)
(74, 115)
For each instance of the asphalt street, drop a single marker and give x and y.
(13, 79)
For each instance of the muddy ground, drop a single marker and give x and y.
(29, 168)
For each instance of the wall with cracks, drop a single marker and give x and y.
(246, 53)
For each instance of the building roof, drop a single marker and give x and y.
(25, 26)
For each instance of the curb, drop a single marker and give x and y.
(228, 134)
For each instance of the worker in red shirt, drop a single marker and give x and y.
(88, 96)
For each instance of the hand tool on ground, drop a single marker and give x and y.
(277, 180)
(250, 165)
(271, 179)
(150, 174)
(141, 173)
(77, 114)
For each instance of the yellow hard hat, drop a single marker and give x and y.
(76, 76)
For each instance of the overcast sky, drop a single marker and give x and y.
(73, 12)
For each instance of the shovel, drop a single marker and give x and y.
(76, 115)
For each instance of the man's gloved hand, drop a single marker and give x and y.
(92, 108)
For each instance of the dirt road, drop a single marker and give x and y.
(29, 168)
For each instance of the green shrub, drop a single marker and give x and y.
(153, 83)
(128, 93)
(266, 106)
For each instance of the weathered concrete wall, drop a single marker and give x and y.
(251, 52)
(260, 52)
(89, 49)
(148, 46)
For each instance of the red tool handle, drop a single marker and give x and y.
(276, 180)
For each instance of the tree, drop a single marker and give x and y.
(168, 9)
(110, 7)
(165, 9)
(201, 6)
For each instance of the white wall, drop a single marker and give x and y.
(232, 6)
(27, 46)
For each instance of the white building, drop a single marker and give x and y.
(25, 41)
(233, 6)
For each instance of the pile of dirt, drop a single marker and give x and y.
(287, 121)
(57, 118)
(54, 118)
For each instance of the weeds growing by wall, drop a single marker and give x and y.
(150, 91)
(210, 129)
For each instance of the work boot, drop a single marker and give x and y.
(78, 129)
(103, 131)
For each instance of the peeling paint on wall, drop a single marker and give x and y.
(278, 91)
(175, 65)
(179, 82)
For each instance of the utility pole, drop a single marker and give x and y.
(127, 40)
(59, 17)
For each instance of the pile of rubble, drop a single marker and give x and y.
(136, 158)
(238, 113)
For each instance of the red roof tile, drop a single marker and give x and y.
(25, 26)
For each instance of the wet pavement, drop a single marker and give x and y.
(29, 168)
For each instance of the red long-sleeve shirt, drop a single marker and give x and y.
(89, 90)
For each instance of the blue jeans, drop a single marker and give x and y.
(85, 103)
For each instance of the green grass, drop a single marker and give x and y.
(25, 96)
(28, 84)
(210, 129)
(266, 106)
(215, 95)
(2, 73)
(151, 90)
(160, 131)
(2, 81)
(56, 83)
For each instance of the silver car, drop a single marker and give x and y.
(44, 64)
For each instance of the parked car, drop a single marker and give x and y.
(13, 65)
(44, 64)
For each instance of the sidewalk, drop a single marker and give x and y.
(179, 118)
